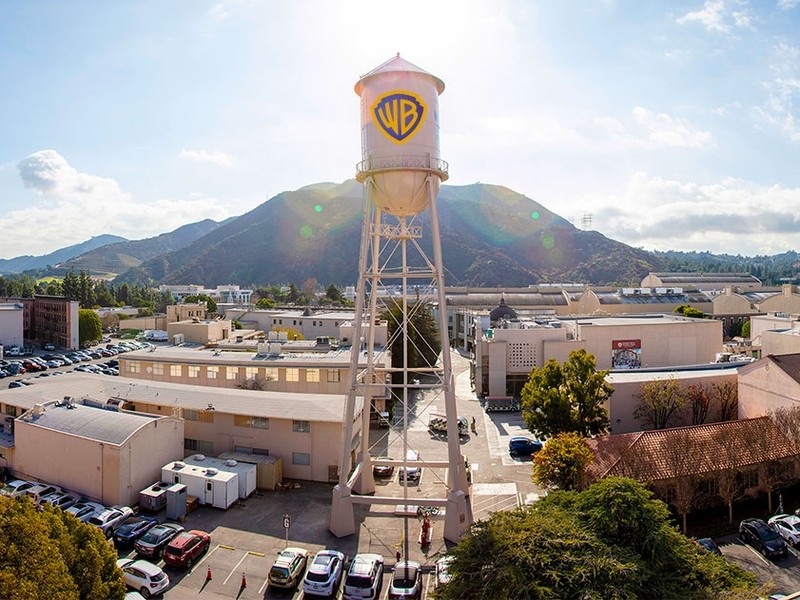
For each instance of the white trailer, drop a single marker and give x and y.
(245, 471)
(210, 486)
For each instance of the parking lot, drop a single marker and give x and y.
(783, 573)
(246, 538)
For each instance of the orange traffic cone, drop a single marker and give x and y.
(244, 581)
(208, 575)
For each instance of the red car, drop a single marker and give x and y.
(185, 548)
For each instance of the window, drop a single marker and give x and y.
(200, 446)
(175, 370)
(312, 375)
(11, 410)
(271, 373)
(190, 415)
(292, 374)
(134, 366)
(211, 372)
(194, 371)
(250, 372)
(231, 372)
(158, 369)
(253, 422)
(243, 449)
(333, 375)
(301, 426)
(301, 458)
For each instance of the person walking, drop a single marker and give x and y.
(474, 429)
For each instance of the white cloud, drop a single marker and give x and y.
(781, 108)
(665, 130)
(787, 4)
(731, 215)
(74, 206)
(203, 156)
(720, 16)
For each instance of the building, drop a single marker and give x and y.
(628, 384)
(304, 371)
(197, 331)
(734, 307)
(55, 319)
(305, 430)
(11, 324)
(83, 443)
(224, 294)
(186, 312)
(771, 383)
(505, 353)
(702, 281)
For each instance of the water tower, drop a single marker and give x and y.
(401, 171)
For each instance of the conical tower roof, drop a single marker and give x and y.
(397, 64)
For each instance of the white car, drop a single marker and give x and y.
(143, 576)
(324, 573)
(364, 578)
(17, 488)
(788, 527)
(111, 518)
(443, 570)
(83, 511)
(62, 500)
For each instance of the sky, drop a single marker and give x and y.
(664, 125)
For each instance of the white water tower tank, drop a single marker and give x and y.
(400, 136)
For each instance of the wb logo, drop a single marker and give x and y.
(398, 115)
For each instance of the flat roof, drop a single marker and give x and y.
(611, 321)
(89, 422)
(327, 408)
(695, 372)
(340, 357)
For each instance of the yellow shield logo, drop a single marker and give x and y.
(398, 115)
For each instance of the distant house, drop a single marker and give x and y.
(700, 465)
(768, 384)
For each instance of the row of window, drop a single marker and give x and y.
(294, 322)
(291, 374)
(205, 416)
(204, 447)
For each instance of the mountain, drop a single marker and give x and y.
(491, 236)
(26, 263)
(115, 258)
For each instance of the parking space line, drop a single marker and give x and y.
(235, 569)
(206, 556)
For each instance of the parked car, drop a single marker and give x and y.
(763, 538)
(17, 487)
(708, 545)
(143, 576)
(324, 573)
(364, 579)
(49, 346)
(152, 544)
(132, 528)
(185, 547)
(109, 519)
(62, 500)
(382, 471)
(523, 446)
(84, 510)
(288, 569)
(788, 527)
(442, 569)
(413, 473)
(406, 580)
(40, 490)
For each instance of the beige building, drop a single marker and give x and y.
(81, 445)
(702, 281)
(309, 372)
(199, 331)
(617, 342)
(161, 422)
(11, 325)
(768, 384)
(186, 312)
(628, 386)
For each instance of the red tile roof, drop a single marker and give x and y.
(694, 450)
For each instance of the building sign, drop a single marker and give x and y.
(398, 115)
(626, 354)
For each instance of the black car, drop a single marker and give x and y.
(151, 545)
(132, 529)
(763, 538)
(522, 446)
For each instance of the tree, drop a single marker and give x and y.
(614, 540)
(699, 399)
(211, 306)
(659, 401)
(265, 303)
(89, 327)
(424, 344)
(726, 397)
(569, 397)
(310, 289)
(334, 294)
(562, 462)
(53, 555)
(746, 329)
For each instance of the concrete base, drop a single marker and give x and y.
(342, 518)
(460, 480)
(365, 484)
(457, 517)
